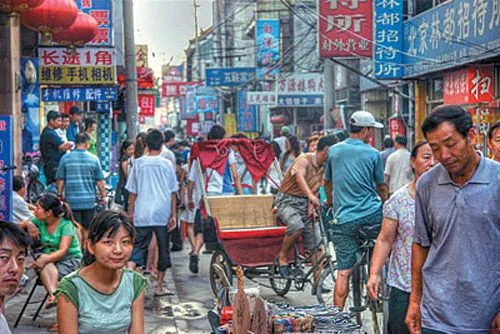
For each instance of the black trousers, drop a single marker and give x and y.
(176, 238)
(143, 237)
(84, 217)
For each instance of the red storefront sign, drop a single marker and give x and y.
(176, 89)
(469, 86)
(147, 104)
(345, 28)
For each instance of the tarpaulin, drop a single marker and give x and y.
(257, 154)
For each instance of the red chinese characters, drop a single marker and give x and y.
(101, 16)
(146, 104)
(469, 86)
(345, 28)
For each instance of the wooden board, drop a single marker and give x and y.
(245, 211)
(259, 320)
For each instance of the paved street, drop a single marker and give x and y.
(183, 313)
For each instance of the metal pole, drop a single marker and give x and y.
(197, 38)
(219, 52)
(131, 71)
(329, 98)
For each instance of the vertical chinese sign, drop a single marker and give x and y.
(388, 49)
(345, 28)
(146, 104)
(6, 159)
(268, 47)
(247, 114)
(102, 11)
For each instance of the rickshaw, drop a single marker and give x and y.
(242, 230)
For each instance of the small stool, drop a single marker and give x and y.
(28, 301)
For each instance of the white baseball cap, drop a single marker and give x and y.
(363, 118)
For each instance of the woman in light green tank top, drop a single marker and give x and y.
(103, 297)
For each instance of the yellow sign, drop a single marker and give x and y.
(73, 75)
(230, 124)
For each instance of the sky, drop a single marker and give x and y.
(166, 26)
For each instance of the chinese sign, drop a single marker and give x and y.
(6, 159)
(84, 66)
(345, 28)
(262, 98)
(453, 33)
(268, 47)
(309, 83)
(176, 89)
(102, 12)
(206, 103)
(172, 73)
(246, 114)
(300, 100)
(82, 56)
(146, 104)
(469, 86)
(77, 75)
(230, 124)
(80, 94)
(229, 76)
(30, 104)
(389, 39)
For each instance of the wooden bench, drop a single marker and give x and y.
(242, 212)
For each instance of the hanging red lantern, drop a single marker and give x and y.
(82, 31)
(9, 6)
(50, 17)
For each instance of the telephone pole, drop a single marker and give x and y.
(131, 71)
(329, 97)
(197, 38)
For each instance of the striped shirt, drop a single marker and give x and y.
(80, 171)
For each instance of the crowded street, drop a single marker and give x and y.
(250, 166)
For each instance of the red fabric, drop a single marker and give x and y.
(271, 232)
(257, 154)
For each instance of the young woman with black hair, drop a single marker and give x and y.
(103, 297)
(60, 252)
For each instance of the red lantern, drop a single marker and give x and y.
(82, 31)
(280, 119)
(50, 17)
(10, 6)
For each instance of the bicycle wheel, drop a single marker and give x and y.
(279, 284)
(326, 288)
(220, 273)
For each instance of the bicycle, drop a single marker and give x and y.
(360, 274)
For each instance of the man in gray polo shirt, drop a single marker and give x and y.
(455, 254)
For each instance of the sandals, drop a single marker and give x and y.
(165, 292)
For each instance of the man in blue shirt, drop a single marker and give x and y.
(77, 176)
(52, 146)
(75, 116)
(354, 176)
(455, 254)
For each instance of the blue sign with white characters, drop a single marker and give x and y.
(246, 116)
(80, 94)
(268, 47)
(6, 161)
(387, 52)
(451, 34)
(300, 100)
(236, 76)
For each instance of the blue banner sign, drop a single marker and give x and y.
(6, 160)
(268, 47)
(80, 94)
(387, 52)
(300, 100)
(451, 34)
(246, 117)
(30, 104)
(207, 103)
(102, 12)
(229, 76)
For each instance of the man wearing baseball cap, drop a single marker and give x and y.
(355, 169)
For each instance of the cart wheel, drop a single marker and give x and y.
(280, 285)
(221, 274)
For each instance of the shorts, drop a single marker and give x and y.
(84, 217)
(67, 265)
(143, 237)
(292, 210)
(346, 238)
(187, 216)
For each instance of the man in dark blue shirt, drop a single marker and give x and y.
(52, 146)
(75, 115)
